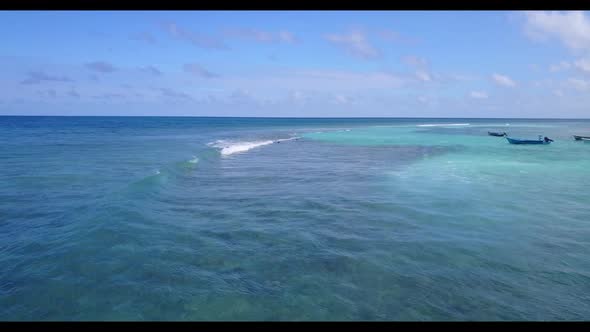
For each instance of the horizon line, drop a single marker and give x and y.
(285, 117)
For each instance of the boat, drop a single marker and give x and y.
(529, 141)
(491, 133)
(581, 138)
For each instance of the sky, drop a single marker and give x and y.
(480, 64)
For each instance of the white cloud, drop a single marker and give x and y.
(583, 65)
(462, 77)
(389, 35)
(152, 70)
(503, 80)
(198, 70)
(356, 43)
(578, 84)
(478, 95)
(196, 39)
(241, 96)
(320, 81)
(572, 28)
(305, 87)
(342, 99)
(171, 93)
(36, 77)
(261, 36)
(428, 101)
(415, 61)
(562, 87)
(421, 65)
(563, 65)
(287, 37)
(423, 76)
(101, 67)
(298, 97)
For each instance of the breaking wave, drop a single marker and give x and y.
(231, 147)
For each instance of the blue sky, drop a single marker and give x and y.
(296, 63)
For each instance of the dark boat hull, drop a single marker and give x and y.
(496, 134)
(526, 141)
(581, 138)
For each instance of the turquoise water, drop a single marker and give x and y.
(292, 219)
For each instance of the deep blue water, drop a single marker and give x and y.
(156, 218)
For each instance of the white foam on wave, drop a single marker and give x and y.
(194, 160)
(231, 147)
(443, 124)
(287, 139)
(242, 147)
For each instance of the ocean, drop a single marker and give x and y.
(172, 218)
